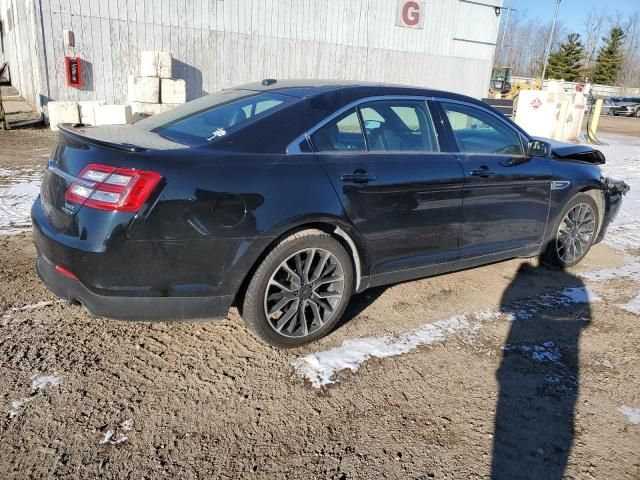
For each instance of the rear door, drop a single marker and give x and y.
(506, 194)
(400, 191)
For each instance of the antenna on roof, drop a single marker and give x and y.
(268, 81)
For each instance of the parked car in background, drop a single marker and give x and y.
(626, 110)
(286, 198)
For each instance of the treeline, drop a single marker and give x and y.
(607, 51)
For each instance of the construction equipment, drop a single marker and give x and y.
(501, 85)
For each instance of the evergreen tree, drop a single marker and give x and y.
(610, 58)
(566, 62)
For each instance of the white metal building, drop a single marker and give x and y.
(445, 44)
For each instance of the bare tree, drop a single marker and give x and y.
(630, 75)
(594, 27)
(526, 38)
(525, 43)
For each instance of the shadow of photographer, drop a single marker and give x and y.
(538, 381)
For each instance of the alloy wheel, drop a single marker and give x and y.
(304, 292)
(575, 233)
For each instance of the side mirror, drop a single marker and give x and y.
(538, 148)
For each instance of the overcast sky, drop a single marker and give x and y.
(572, 12)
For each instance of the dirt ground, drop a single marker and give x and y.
(207, 400)
(619, 125)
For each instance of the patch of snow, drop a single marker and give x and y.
(33, 306)
(18, 190)
(16, 405)
(127, 425)
(633, 306)
(630, 270)
(632, 414)
(320, 368)
(580, 295)
(111, 438)
(623, 163)
(45, 381)
(547, 352)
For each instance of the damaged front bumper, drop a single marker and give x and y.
(615, 189)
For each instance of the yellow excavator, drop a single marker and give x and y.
(501, 86)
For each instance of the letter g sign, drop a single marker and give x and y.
(410, 13)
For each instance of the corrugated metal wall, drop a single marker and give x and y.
(220, 43)
(22, 47)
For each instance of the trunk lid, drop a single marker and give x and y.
(79, 146)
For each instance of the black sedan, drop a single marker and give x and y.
(285, 198)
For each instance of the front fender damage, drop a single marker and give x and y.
(615, 190)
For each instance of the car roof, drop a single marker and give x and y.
(311, 88)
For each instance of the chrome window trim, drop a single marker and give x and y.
(294, 146)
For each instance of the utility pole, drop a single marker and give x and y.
(548, 50)
(506, 25)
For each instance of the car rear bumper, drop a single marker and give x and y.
(132, 308)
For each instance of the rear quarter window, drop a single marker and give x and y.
(213, 117)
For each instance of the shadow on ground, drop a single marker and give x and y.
(538, 379)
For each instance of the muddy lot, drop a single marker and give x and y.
(511, 370)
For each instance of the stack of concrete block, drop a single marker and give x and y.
(88, 111)
(113, 114)
(154, 91)
(62, 112)
(91, 112)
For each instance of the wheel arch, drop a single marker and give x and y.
(597, 192)
(343, 231)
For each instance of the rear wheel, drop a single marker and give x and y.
(300, 290)
(575, 233)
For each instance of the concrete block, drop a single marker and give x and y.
(113, 114)
(145, 89)
(149, 63)
(164, 65)
(87, 111)
(62, 112)
(155, 64)
(173, 91)
(152, 108)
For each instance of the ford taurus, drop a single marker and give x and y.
(286, 198)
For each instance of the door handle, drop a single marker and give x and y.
(483, 172)
(358, 177)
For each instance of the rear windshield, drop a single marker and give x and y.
(214, 116)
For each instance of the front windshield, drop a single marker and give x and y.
(212, 117)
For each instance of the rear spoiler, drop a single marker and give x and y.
(75, 130)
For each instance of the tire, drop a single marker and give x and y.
(323, 303)
(557, 253)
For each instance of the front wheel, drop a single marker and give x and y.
(575, 233)
(300, 290)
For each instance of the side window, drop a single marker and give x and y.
(398, 125)
(480, 132)
(342, 134)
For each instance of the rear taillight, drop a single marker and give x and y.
(111, 188)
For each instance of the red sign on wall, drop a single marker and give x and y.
(74, 71)
(410, 13)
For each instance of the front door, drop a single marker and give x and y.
(506, 194)
(401, 193)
